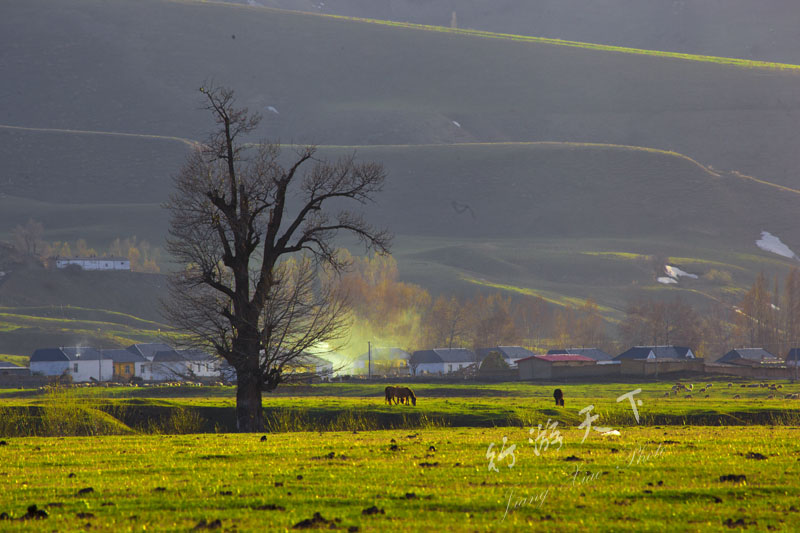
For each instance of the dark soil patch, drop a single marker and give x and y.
(736, 478)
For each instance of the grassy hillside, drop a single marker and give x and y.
(563, 221)
(736, 28)
(523, 164)
(41, 308)
(134, 67)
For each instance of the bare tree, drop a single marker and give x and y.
(28, 238)
(233, 229)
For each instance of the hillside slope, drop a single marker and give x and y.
(736, 28)
(135, 66)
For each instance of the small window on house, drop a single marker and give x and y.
(127, 369)
(449, 368)
(75, 367)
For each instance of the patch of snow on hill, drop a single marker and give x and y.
(272, 109)
(666, 281)
(675, 272)
(770, 243)
(457, 125)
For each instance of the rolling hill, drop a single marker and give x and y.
(709, 27)
(522, 164)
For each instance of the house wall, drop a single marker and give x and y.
(99, 369)
(124, 370)
(168, 371)
(534, 369)
(750, 372)
(641, 367)
(580, 369)
(430, 368)
(94, 264)
(49, 368)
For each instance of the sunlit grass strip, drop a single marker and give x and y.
(189, 142)
(557, 144)
(763, 182)
(618, 255)
(563, 301)
(19, 311)
(684, 260)
(28, 320)
(745, 63)
(19, 360)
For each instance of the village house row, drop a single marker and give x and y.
(156, 362)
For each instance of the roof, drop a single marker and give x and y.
(595, 353)
(661, 352)
(6, 364)
(149, 350)
(307, 359)
(508, 352)
(793, 355)
(82, 353)
(123, 356)
(72, 353)
(749, 354)
(48, 354)
(196, 355)
(167, 356)
(560, 357)
(92, 258)
(385, 354)
(443, 355)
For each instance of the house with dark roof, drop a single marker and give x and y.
(384, 361)
(652, 353)
(10, 369)
(594, 353)
(82, 363)
(792, 357)
(307, 363)
(750, 357)
(554, 366)
(511, 354)
(127, 364)
(167, 365)
(149, 350)
(441, 360)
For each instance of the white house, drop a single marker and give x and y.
(441, 360)
(95, 263)
(311, 364)
(82, 363)
(200, 364)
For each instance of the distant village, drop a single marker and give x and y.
(150, 363)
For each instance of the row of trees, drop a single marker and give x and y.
(28, 240)
(396, 313)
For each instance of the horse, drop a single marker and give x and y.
(404, 394)
(559, 397)
(390, 394)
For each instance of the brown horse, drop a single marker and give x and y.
(405, 395)
(390, 394)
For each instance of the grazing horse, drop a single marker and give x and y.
(390, 394)
(559, 397)
(404, 394)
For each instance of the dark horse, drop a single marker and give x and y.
(404, 395)
(559, 397)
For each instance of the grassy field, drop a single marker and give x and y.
(649, 477)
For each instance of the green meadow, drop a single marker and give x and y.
(370, 469)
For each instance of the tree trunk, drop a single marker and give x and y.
(249, 413)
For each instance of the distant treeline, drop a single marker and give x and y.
(27, 239)
(394, 313)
